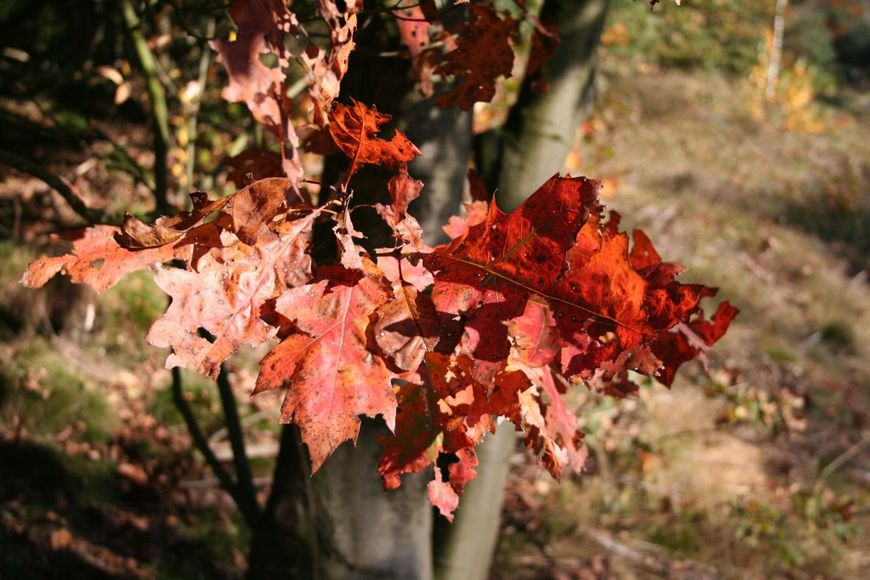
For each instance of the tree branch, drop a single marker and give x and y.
(204, 61)
(60, 185)
(244, 479)
(159, 109)
(201, 443)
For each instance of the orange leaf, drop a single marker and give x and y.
(354, 131)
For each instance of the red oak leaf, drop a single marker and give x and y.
(403, 190)
(327, 68)
(225, 298)
(413, 446)
(551, 428)
(443, 496)
(354, 131)
(405, 271)
(413, 28)
(534, 335)
(257, 204)
(687, 341)
(98, 260)
(556, 247)
(475, 213)
(252, 165)
(407, 327)
(333, 375)
(545, 39)
(262, 25)
(482, 54)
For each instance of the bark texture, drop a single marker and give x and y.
(366, 532)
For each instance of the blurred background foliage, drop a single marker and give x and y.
(757, 466)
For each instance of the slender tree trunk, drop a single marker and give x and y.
(364, 531)
(535, 142)
(775, 54)
(466, 546)
(541, 128)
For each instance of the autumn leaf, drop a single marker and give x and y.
(413, 28)
(403, 190)
(225, 297)
(412, 448)
(687, 341)
(257, 204)
(326, 68)
(576, 264)
(98, 260)
(262, 26)
(442, 495)
(407, 327)
(534, 335)
(354, 130)
(252, 165)
(137, 235)
(545, 39)
(551, 428)
(333, 376)
(483, 53)
(512, 255)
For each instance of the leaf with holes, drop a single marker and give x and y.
(354, 130)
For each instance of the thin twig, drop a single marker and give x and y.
(204, 62)
(244, 479)
(201, 443)
(843, 458)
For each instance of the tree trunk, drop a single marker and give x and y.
(466, 546)
(362, 531)
(282, 544)
(536, 139)
(541, 128)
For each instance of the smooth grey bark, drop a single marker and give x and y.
(444, 137)
(364, 531)
(536, 139)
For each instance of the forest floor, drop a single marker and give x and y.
(758, 466)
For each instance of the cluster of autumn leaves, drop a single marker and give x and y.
(441, 343)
